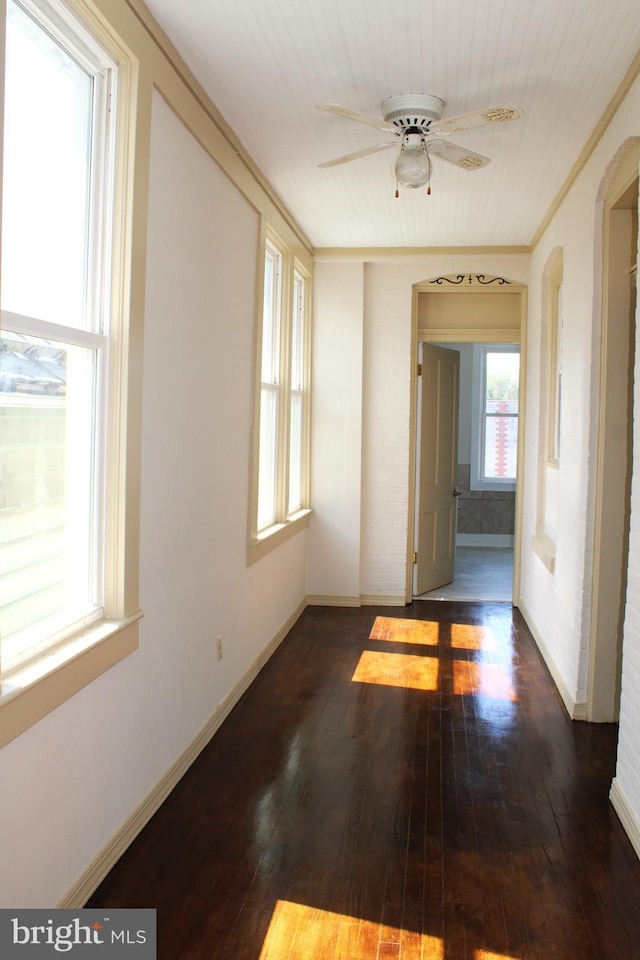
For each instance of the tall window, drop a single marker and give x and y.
(270, 390)
(551, 374)
(555, 367)
(282, 451)
(297, 388)
(57, 178)
(495, 434)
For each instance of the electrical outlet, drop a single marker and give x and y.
(219, 648)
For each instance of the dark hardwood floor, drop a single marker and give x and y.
(397, 783)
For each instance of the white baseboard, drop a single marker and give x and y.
(382, 600)
(626, 814)
(99, 867)
(327, 600)
(577, 711)
(364, 600)
(484, 540)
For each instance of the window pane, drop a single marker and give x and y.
(501, 447)
(268, 450)
(502, 377)
(47, 174)
(297, 334)
(502, 407)
(271, 318)
(556, 399)
(297, 394)
(48, 575)
(295, 454)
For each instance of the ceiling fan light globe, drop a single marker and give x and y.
(413, 166)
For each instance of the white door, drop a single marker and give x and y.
(438, 468)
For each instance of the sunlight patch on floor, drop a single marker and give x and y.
(466, 636)
(298, 932)
(397, 630)
(397, 670)
(482, 680)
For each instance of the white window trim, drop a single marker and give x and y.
(477, 481)
(32, 691)
(555, 364)
(542, 542)
(261, 542)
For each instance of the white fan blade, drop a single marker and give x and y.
(370, 121)
(477, 118)
(358, 154)
(458, 155)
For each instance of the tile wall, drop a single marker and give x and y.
(483, 511)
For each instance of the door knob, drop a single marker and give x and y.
(457, 493)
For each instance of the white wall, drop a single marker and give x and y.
(82, 770)
(558, 605)
(202, 249)
(333, 571)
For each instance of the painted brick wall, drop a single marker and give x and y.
(560, 603)
(385, 439)
(628, 767)
(557, 605)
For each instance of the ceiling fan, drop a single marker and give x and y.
(417, 124)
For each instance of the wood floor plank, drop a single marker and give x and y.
(437, 805)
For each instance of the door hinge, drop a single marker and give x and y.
(414, 557)
(419, 370)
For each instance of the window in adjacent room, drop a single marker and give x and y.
(495, 421)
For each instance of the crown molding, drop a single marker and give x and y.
(411, 254)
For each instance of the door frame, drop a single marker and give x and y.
(606, 612)
(466, 332)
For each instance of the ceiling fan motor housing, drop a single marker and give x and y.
(412, 111)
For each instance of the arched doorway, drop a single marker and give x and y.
(619, 207)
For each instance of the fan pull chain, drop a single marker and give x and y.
(397, 190)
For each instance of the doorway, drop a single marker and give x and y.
(486, 315)
(479, 473)
(614, 440)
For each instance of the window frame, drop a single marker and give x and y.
(285, 523)
(272, 362)
(298, 390)
(543, 540)
(554, 401)
(478, 481)
(30, 691)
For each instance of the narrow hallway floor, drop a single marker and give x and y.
(395, 785)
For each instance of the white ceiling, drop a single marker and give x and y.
(266, 63)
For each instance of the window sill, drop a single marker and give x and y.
(32, 691)
(545, 548)
(492, 486)
(279, 533)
